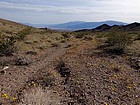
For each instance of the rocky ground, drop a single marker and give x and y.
(69, 70)
(79, 74)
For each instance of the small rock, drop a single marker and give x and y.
(6, 67)
(22, 61)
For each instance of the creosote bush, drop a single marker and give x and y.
(21, 34)
(7, 45)
(65, 35)
(117, 42)
(79, 35)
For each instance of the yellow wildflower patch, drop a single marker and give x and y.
(5, 95)
(14, 98)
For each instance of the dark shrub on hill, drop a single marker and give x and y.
(65, 35)
(79, 35)
(21, 34)
(117, 42)
(7, 45)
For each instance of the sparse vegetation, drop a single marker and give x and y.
(38, 96)
(88, 38)
(55, 44)
(48, 81)
(65, 35)
(62, 69)
(21, 34)
(117, 42)
(79, 35)
(48, 65)
(31, 52)
(7, 45)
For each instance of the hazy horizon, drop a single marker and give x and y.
(61, 11)
(78, 21)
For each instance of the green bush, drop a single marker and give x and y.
(79, 35)
(117, 42)
(65, 35)
(21, 34)
(7, 45)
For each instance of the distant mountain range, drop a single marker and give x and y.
(104, 27)
(77, 25)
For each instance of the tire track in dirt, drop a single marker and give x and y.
(16, 77)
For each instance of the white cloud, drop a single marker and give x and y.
(48, 8)
(43, 8)
(107, 6)
(123, 10)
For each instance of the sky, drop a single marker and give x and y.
(60, 11)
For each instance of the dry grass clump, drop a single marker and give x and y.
(38, 96)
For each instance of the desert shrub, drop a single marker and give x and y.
(63, 41)
(138, 37)
(117, 42)
(35, 41)
(55, 44)
(39, 96)
(79, 35)
(63, 69)
(48, 81)
(21, 34)
(7, 45)
(31, 52)
(87, 38)
(43, 47)
(65, 35)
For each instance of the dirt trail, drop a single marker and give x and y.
(16, 77)
(93, 78)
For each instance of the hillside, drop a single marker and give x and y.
(105, 27)
(47, 67)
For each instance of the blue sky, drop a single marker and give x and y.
(59, 11)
